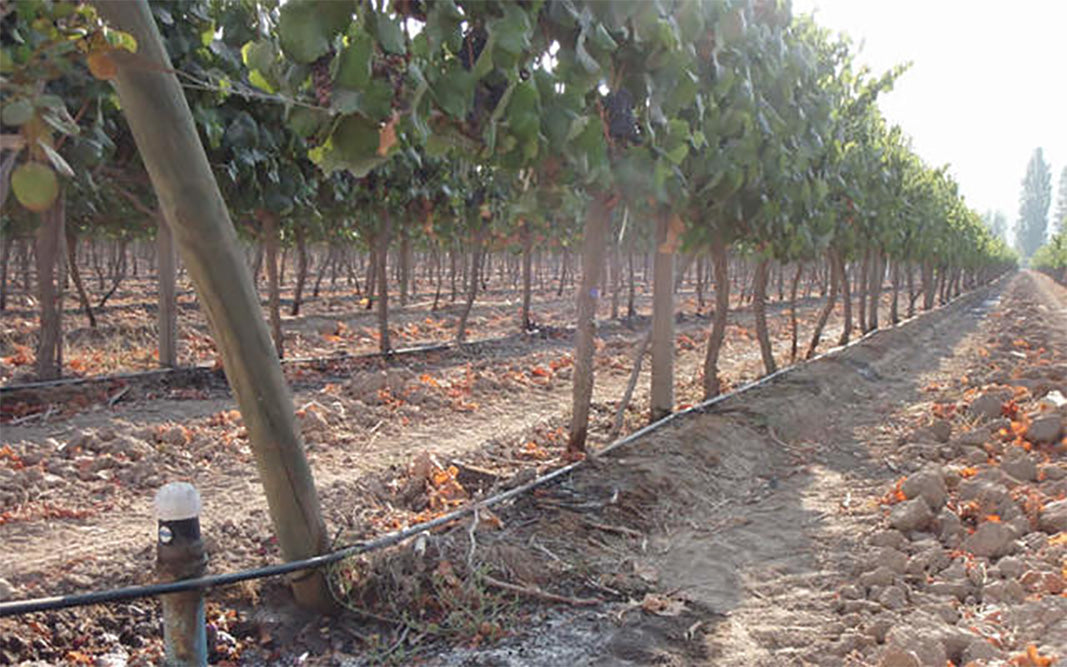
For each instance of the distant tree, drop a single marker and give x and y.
(1033, 205)
(1059, 220)
(997, 223)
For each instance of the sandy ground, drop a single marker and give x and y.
(725, 538)
(762, 531)
(92, 468)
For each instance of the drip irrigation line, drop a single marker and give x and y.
(211, 369)
(21, 607)
(208, 369)
(202, 583)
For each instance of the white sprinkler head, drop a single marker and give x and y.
(177, 501)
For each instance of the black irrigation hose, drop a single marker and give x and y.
(309, 361)
(203, 583)
(294, 361)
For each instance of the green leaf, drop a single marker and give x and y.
(352, 146)
(318, 155)
(678, 129)
(578, 126)
(306, 122)
(277, 202)
(556, 123)
(87, 152)
(54, 102)
(511, 31)
(588, 62)
(61, 121)
(442, 23)
(17, 113)
(354, 70)
(390, 36)
(454, 91)
(306, 27)
(163, 15)
(120, 40)
(677, 154)
(665, 35)
(685, 91)
(419, 109)
(589, 147)
(56, 159)
(524, 112)
(256, 78)
(375, 101)
(243, 132)
(258, 55)
(35, 186)
(437, 146)
(731, 27)
(484, 64)
(602, 38)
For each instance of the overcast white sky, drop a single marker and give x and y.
(987, 86)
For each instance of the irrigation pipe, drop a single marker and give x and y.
(210, 368)
(20, 607)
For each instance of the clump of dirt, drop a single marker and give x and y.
(969, 563)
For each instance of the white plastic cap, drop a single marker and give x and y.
(176, 501)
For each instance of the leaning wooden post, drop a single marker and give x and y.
(163, 128)
(180, 555)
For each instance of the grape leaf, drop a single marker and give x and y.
(35, 186)
(17, 112)
(354, 68)
(306, 27)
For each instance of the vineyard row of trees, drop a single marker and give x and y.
(1051, 258)
(680, 126)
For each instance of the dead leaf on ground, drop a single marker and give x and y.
(1032, 658)
(663, 605)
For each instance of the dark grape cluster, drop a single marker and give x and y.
(411, 8)
(321, 81)
(392, 67)
(622, 123)
(487, 95)
(473, 43)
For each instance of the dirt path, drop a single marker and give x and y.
(751, 514)
(359, 439)
(764, 534)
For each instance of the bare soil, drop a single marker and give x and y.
(758, 526)
(726, 537)
(86, 469)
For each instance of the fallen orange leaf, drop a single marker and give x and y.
(1032, 658)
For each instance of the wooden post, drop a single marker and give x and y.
(180, 555)
(50, 239)
(662, 390)
(168, 301)
(597, 217)
(162, 125)
(527, 255)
